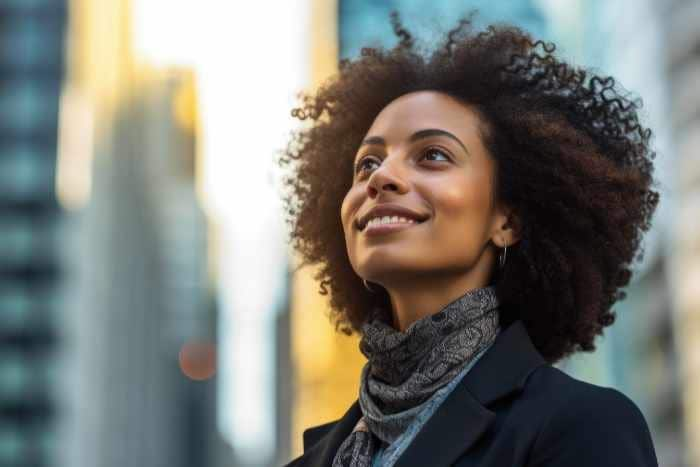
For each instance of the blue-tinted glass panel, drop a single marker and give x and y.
(28, 6)
(366, 22)
(26, 172)
(24, 240)
(12, 445)
(15, 375)
(27, 105)
(15, 309)
(29, 42)
(23, 310)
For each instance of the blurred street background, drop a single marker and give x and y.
(148, 313)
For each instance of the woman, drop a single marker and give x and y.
(475, 213)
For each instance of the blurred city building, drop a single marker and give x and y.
(140, 315)
(366, 23)
(680, 62)
(31, 270)
(140, 296)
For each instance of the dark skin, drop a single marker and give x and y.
(428, 265)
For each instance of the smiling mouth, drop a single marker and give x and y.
(379, 228)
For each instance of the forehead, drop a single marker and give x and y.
(424, 109)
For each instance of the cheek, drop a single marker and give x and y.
(349, 207)
(467, 198)
(462, 211)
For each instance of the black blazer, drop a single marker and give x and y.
(512, 409)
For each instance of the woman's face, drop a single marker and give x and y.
(423, 152)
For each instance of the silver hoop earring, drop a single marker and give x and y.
(502, 257)
(367, 286)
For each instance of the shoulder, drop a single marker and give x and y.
(558, 387)
(571, 399)
(587, 424)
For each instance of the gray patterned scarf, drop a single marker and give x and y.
(405, 368)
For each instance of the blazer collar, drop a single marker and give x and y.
(461, 418)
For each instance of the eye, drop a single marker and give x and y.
(360, 166)
(436, 150)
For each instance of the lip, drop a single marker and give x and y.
(383, 229)
(389, 209)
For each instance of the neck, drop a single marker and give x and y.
(410, 304)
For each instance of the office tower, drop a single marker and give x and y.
(31, 73)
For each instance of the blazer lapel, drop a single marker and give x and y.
(321, 442)
(460, 420)
(463, 417)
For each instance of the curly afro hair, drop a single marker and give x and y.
(572, 161)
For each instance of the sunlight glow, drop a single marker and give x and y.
(250, 59)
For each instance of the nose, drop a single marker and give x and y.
(386, 178)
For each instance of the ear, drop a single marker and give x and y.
(507, 227)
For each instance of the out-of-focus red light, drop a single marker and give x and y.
(198, 360)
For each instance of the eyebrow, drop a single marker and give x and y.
(420, 134)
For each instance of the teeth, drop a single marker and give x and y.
(390, 220)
